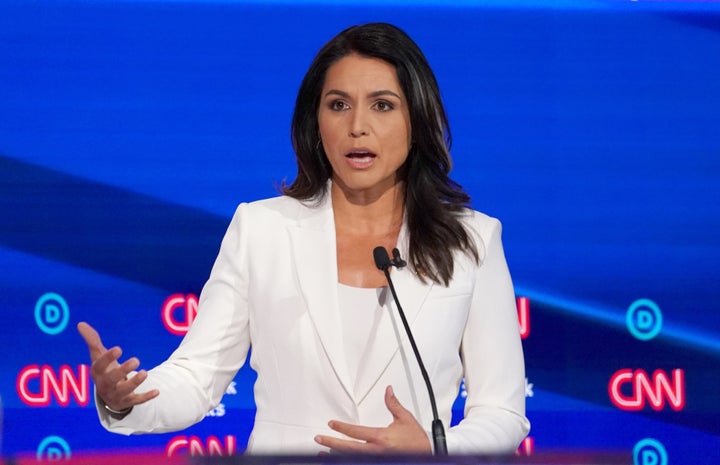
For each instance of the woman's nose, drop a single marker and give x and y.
(358, 125)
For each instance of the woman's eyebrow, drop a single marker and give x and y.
(380, 93)
(337, 92)
(377, 93)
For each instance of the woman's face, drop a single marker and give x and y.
(364, 124)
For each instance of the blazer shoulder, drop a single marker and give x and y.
(276, 210)
(480, 224)
(281, 205)
(484, 229)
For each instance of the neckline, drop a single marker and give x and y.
(355, 288)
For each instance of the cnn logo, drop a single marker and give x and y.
(526, 447)
(523, 310)
(632, 390)
(178, 313)
(196, 447)
(36, 385)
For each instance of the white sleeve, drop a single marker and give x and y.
(193, 380)
(493, 363)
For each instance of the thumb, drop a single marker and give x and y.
(92, 339)
(394, 406)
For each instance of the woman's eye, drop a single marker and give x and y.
(338, 105)
(383, 106)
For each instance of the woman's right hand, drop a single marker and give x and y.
(111, 380)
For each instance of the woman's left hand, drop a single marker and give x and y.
(403, 436)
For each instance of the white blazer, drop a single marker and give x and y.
(274, 286)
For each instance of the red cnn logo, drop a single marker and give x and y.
(61, 385)
(195, 446)
(179, 324)
(655, 390)
(527, 447)
(523, 309)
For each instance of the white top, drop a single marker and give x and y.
(360, 313)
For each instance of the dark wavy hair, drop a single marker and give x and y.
(433, 201)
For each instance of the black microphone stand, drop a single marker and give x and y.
(383, 262)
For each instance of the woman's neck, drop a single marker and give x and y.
(366, 212)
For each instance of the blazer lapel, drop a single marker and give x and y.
(315, 254)
(390, 334)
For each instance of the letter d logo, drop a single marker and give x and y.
(52, 313)
(644, 319)
(649, 452)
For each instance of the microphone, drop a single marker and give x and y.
(383, 262)
(397, 261)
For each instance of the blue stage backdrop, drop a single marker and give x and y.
(130, 130)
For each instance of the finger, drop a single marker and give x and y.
(363, 433)
(346, 446)
(131, 400)
(92, 339)
(128, 388)
(121, 372)
(105, 362)
(123, 395)
(394, 406)
(145, 396)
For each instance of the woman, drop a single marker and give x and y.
(295, 278)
